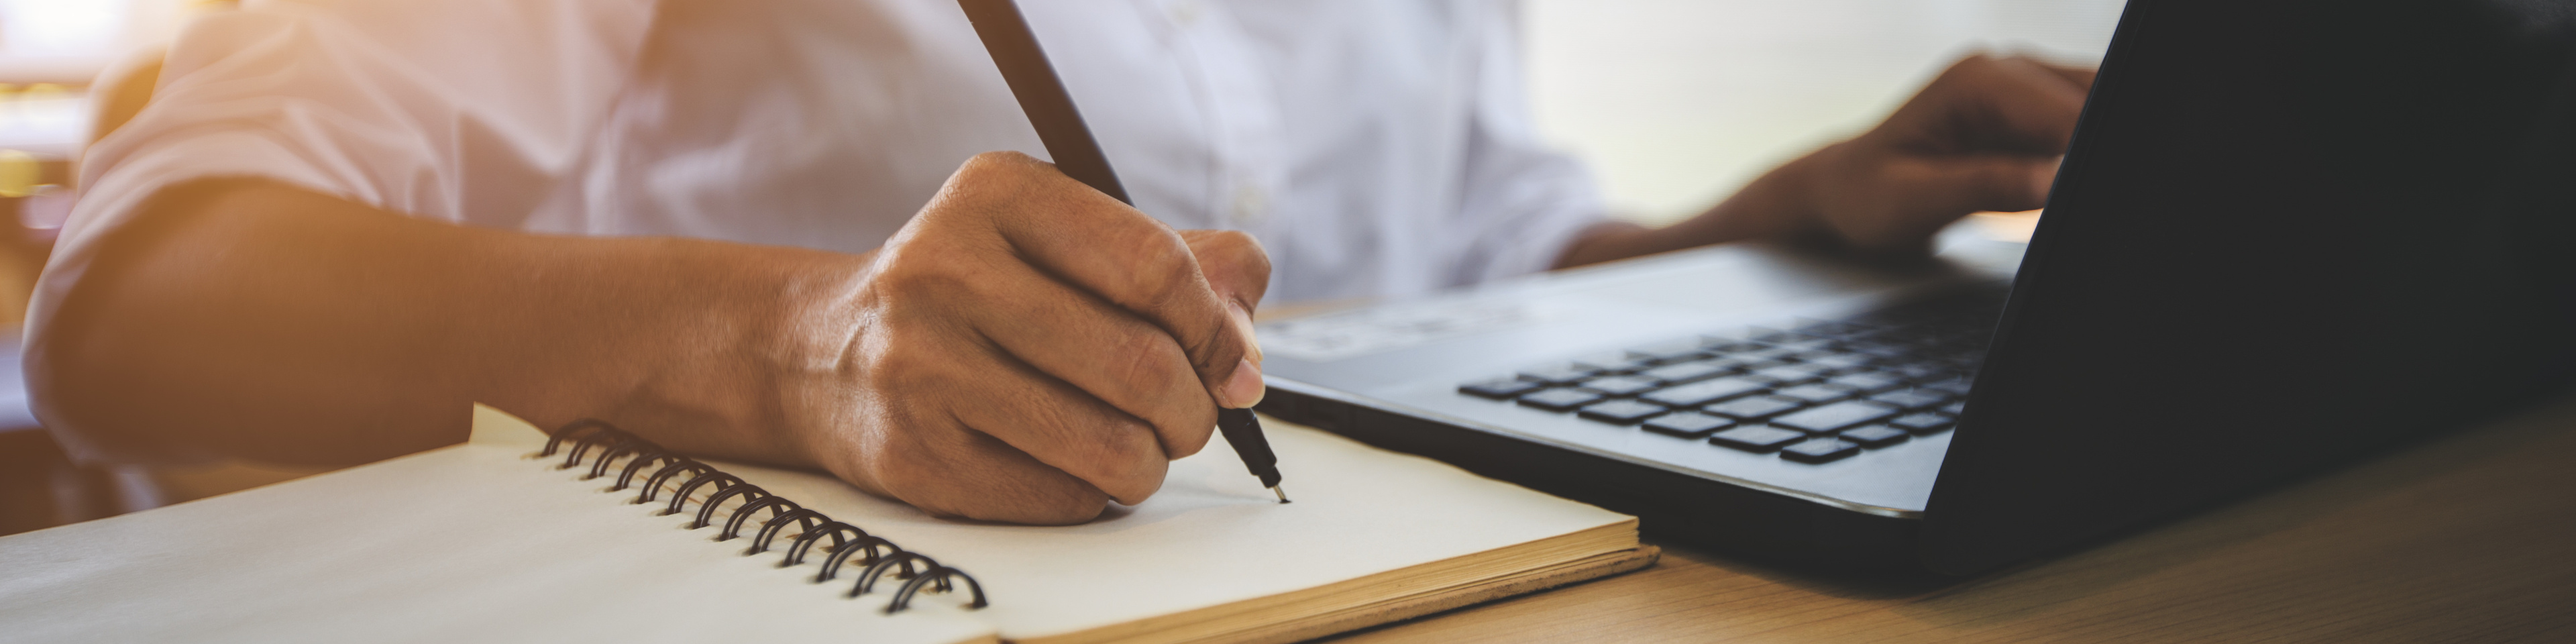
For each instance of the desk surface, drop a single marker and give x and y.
(2470, 537)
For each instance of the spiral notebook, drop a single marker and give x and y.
(516, 536)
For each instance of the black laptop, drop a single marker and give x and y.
(2287, 235)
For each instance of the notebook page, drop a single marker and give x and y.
(464, 544)
(1213, 535)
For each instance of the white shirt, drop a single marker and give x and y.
(1377, 148)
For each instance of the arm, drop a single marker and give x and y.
(1984, 135)
(1025, 350)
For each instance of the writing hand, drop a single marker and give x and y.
(1027, 349)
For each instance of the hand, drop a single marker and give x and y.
(1028, 349)
(1984, 135)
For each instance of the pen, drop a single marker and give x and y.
(1042, 97)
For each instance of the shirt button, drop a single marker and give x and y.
(1185, 12)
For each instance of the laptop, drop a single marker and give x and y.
(2287, 235)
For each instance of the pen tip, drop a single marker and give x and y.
(1283, 496)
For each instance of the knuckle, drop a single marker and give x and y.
(1971, 66)
(983, 186)
(1142, 478)
(1059, 505)
(999, 161)
(1190, 434)
(1148, 359)
(1120, 456)
(1212, 354)
(1163, 263)
(1036, 495)
(977, 477)
(1238, 251)
(1118, 448)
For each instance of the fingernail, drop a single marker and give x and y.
(1243, 389)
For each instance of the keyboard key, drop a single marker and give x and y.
(1755, 438)
(1499, 388)
(1675, 351)
(1866, 381)
(1620, 412)
(1814, 393)
(1881, 351)
(1765, 353)
(1923, 423)
(1810, 356)
(1560, 399)
(1613, 364)
(1875, 436)
(1841, 361)
(1752, 408)
(1704, 392)
(1955, 407)
(1687, 424)
(1958, 386)
(1737, 363)
(1721, 345)
(1802, 343)
(1560, 375)
(1674, 374)
(1835, 416)
(1620, 385)
(1834, 328)
(1911, 398)
(1790, 374)
(1819, 450)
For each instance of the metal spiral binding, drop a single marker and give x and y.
(686, 476)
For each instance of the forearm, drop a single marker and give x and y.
(261, 321)
(1774, 206)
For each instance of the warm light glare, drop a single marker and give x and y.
(61, 27)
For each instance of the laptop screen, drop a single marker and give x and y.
(2287, 234)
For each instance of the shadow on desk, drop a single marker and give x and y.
(2470, 536)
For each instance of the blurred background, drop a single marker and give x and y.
(1674, 103)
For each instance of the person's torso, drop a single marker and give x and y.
(1331, 130)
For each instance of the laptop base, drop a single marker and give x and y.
(1674, 508)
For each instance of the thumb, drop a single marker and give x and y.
(1238, 270)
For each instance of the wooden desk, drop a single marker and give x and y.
(2470, 537)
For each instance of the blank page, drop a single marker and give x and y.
(1213, 535)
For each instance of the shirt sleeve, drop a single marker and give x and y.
(385, 102)
(1522, 202)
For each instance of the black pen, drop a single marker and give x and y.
(1042, 97)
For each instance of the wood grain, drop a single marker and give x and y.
(2470, 537)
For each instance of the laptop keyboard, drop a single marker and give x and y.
(1816, 393)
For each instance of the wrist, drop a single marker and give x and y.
(1784, 204)
(741, 357)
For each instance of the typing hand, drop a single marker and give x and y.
(1984, 135)
(1027, 349)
